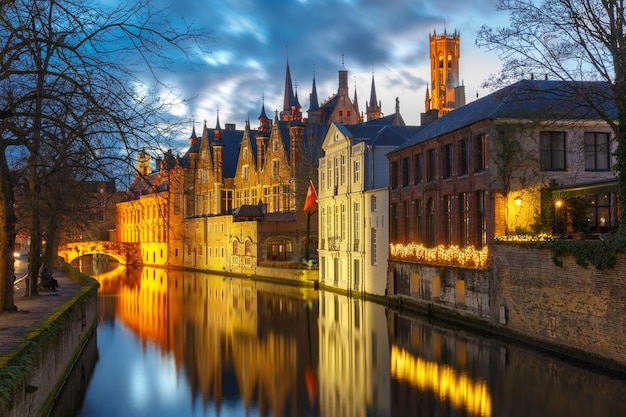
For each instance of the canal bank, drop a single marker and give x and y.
(574, 311)
(40, 342)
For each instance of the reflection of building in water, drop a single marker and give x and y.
(435, 369)
(228, 335)
(354, 368)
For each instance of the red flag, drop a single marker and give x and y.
(311, 198)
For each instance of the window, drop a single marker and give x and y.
(373, 249)
(235, 247)
(357, 171)
(418, 220)
(245, 172)
(448, 156)
(463, 220)
(430, 224)
(394, 174)
(447, 203)
(394, 223)
(275, 145)
(600, 212)
(343, 169)
(276, 199)
(480, 153)
(373, 203)
(329, 168)
(248, 247)
(275, 167)
(597, 152)
(336, 172)
(481, 218)
(552, 151)
(405, 171)
(418, 172)
(407, 222)
(245, 152)
(357, 225)
(432, 165)
(463, 157)
(343, 221)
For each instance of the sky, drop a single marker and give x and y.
(244, 66)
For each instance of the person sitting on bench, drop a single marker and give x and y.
(48, 281)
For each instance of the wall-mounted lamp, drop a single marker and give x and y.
(518, 200)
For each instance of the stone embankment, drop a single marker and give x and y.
(40, 342)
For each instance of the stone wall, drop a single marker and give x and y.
(460, 290)
(570, 308)
(48, 356)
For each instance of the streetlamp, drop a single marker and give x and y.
(518, 201)
(558, 203)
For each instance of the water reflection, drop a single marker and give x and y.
(191, 344)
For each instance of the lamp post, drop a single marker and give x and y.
(558, 203)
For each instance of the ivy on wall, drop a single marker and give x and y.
(599, 253)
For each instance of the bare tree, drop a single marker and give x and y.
(573, 41)
(70, 72)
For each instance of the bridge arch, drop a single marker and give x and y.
(126, 253)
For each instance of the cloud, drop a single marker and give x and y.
(254, 39)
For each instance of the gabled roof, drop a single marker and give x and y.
(230, 140)
(378, 135)
(526, 99)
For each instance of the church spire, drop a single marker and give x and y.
(289, 99)
(373, 107)
(217, 124)
(355, 103)
(264, 122)
(314, 103)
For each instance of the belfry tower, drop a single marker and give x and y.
(447, 93)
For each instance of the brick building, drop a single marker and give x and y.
(526, 159)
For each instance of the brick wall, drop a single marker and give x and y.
(568, 307)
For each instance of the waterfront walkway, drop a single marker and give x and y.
(16, 326)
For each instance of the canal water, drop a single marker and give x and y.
(174, 343)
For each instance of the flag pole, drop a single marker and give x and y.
(308, 233)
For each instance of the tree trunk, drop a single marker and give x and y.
(7, 236)
(50, 255)
(34, 256)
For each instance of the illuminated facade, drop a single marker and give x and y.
(238, 198)
(352, 204)
(152, 211)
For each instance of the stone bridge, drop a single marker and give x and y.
(125, 253)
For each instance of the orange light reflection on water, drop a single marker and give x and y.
(444, 381)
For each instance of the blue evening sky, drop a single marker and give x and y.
(389, 38)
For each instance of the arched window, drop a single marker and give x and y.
(235, 247)
(430, 224)
(248, 247)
